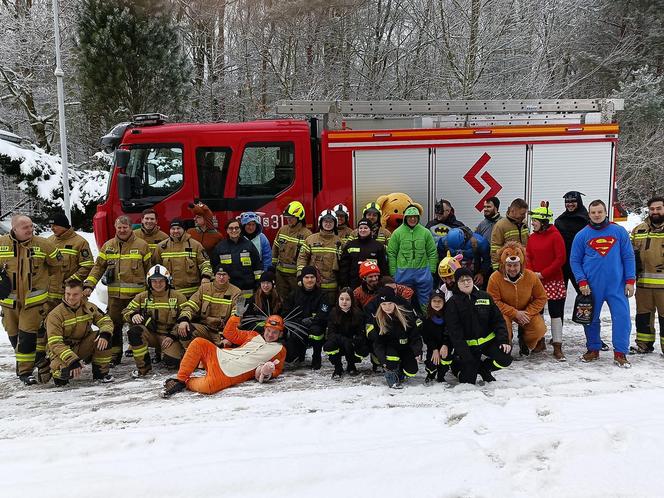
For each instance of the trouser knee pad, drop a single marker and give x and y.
(13, 340)
(27, 342)
(135, 336)
(642, 322)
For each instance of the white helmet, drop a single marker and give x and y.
(341, 209)
(158, 271)
(327, 213)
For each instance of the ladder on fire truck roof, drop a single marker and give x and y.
(385, 114)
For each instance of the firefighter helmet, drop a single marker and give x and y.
(158, 271)
(372, 206)
(295, 209)
(341, 209)
(327, 214)
(448, 266)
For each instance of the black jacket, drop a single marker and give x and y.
(569, 224)
(434, 335)
(244, 263)
(308, 308)
(473, 317)
(356, 251)
(397, 336)
(346, 324)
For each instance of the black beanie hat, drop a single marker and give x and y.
(386, 295)
(177, 222)
(60, 219)
(268, 276)
(363, 221)
(223, 267)
(462, 272)
(308, 270)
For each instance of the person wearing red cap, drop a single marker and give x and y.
(255, 357)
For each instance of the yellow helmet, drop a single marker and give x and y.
(295, 209)
(448, 266)
(371, 205)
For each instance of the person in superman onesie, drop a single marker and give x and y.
(603, 263)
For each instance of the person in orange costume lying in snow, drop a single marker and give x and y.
(259, 357)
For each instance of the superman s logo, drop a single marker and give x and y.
(602, 244)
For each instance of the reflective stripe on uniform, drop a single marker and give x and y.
(497, 365)
(392, 358)
(481, 340)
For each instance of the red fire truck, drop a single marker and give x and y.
(353, 152)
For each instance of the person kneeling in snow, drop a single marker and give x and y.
(259, 357)
(475, 327)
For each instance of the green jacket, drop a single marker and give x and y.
(412, 248)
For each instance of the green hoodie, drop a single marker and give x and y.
(412, 248)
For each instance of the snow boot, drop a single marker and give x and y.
(28, 379)
(589, 356)
(558, 351)
(620, 360)
(60, 382)
(540, 346)
(338, 371)
(431, 376)
(172, 386)
(137, 374)
(352, 370)
(643, 348)
(523, 349)
(392, 380)
(605, 346)
(129, 353)
(440, 373)
(485, 373)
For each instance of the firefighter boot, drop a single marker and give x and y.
(540, 346)
(43, 370)
(485, 371)
(335, 359)
(316, 357)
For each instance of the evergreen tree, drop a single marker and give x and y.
(130, 60)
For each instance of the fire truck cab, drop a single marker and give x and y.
(463, 151)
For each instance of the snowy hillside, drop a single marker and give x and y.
(543, 429)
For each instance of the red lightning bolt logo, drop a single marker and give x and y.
(471, 178)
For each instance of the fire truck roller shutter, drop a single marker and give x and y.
(467, 175)
(380, 172)
(559, 168)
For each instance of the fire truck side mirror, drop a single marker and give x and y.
(122, 158)
(124, 187)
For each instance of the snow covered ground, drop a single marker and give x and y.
(543, 429)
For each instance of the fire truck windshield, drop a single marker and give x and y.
(155, 171)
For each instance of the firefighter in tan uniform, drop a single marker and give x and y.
(152, 317)
(344, 231)
(76, 255)
(648, 242)
(206, 312)
(33, 266)
(123, 261)
(185, 259)
(72, 341)
(149, 230)
(287, 247)
(512, 227)
(322, 250)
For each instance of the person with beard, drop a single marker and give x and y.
(369, 274)
(491, 217)
(603, 263)
(364, 248)
(444, 215)
(149, 230)
(648, 242)
(572, 221)
(512, 227)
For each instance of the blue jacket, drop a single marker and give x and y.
(258, 238)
